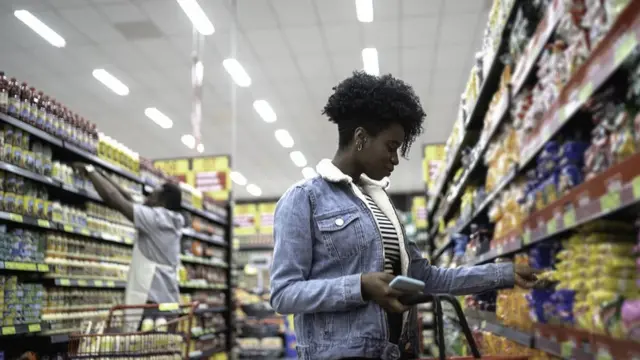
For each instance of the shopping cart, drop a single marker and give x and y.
(154, 331)
(439, 327)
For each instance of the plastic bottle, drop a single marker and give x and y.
(4, 93)
(33, 105)
(25, 102)
(54, 116)
(14, 98)
(41, 113)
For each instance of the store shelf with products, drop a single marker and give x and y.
(562, 193)
(64, 250)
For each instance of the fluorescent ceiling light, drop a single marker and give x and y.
(200, 148)
(158, 117)
(370, 61)
(298, 159)
(265, 111)
(308, 172)
(197, 16)
(40, 28)
(111, 82)
(199, 72)
(254, 190)
(239, 76)
(238, 178)
(284, 138)
(189, 141)
(364, 10)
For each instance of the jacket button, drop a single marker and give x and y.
(339, 222)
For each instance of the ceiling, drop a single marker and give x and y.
(293, 50)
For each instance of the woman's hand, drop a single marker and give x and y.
(525, 276)
(375, 286)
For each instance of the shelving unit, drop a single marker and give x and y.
(610, 192)
(43, 275)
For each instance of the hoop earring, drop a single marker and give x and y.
(359, 148)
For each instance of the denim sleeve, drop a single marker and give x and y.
(460, 281)
(292, 292)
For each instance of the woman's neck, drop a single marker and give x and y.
(347, 165)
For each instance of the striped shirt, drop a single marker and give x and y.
(390, 240)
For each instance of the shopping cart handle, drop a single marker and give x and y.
(415, 299)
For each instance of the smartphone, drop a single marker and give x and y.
(407, 285)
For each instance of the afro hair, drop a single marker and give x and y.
(375, 103)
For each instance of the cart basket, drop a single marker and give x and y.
(438, 322)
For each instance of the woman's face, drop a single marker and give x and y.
(379, 154)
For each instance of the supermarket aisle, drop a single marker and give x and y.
(529, 154)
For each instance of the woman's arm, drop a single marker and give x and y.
(291, 290)
(459, 281)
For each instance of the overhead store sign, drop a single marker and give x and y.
(267, 213)
(245, 219)
(209, 174)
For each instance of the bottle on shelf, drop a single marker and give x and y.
(14, 98)
(33, 105)
(4, 93)
(25, 102)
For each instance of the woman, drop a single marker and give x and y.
(339, 242)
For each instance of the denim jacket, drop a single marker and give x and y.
(325, 238)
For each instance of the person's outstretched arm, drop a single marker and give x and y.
(462, 280)
(109, 193)
(292, 292)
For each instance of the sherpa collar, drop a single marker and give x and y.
(330, 172)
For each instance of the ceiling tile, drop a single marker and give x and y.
(122, 12)
(256, 14)
(336, 11)
(266, 42)
(343, 37)
(315, 66)
(305, 40)
(419, 31)
(458, 28)
(295, 13)
(423, 7)
(88, 21)
(381, 34)
(466, 6)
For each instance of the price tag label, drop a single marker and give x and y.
(85, 232)
(236, 244)
(68, 228)
(65, 282)
(44, 223)
(636, 187)
(610, 201)
(603, 355)
(168, 306)
(566, 349)
(526, 237)
(552, 226)
(82, 282)
(128, 241)
(43, 267)
(8, 330)
(483, 324)
(585, 92)
(10, 265)
(98, 283)
(16, 218)
(569, 218)
(624, 47)
(111, 284)
(34, 328)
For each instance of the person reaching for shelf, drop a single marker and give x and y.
(152, 274)
(339, 241)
